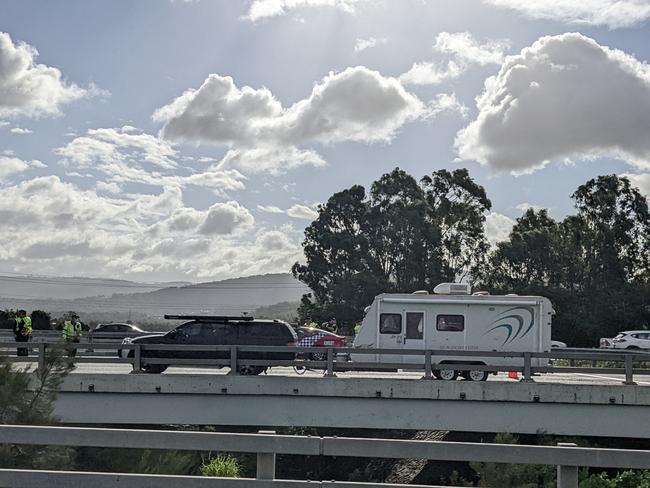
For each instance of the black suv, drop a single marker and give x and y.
(219, 331)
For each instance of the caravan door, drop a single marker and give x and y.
(390, 333)
(414, 335)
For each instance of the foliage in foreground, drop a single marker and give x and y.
(222, 466)
(494, 475)
(27, 399)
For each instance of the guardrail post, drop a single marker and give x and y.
(234, 369)
(427, 365)
(528, 373)
(567, 476)
(629, 370)
(330, 363)
(137, 358)
(266, 461)
(41, 356)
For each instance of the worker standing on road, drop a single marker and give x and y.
(22, 331)
(72, 333)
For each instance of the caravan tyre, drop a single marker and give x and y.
(446, 374)
(475, 375)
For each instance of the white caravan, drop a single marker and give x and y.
(452, 319)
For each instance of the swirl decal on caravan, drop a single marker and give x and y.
(518, 317)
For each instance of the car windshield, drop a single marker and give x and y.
(620, 335)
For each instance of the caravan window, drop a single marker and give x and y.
(414, 325)
(390, 323)
(450, 323)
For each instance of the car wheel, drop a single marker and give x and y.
(446, 374)
(632, 347)
(251, 370)
(475, 375)
(318, 356)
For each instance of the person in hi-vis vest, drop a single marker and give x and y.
(72, 332)
(22, 331)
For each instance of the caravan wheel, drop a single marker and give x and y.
(446, 374)
(475, 375)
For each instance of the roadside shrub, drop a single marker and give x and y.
(222, 466)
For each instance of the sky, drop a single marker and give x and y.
(194, 140)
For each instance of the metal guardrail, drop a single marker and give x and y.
(333, 360)
(266, 444)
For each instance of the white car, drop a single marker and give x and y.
(631, 339)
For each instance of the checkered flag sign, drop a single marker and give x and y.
(310, 340)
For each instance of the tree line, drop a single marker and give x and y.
(405, 235)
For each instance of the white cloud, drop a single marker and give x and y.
(296, 211)
(610, 13)
(302, 212)
(11, 165)
(117, 146)
(261, 9)
(464, 47)
(525, 206)
(31, 89)
(357, 104)
(20, 131)
(108, 187)
(226, 218)
(427, 73)
(546, 105)
(446, 102)
(270, 209)
(275, 241)
(130, 155)
(363, 44)
(464, 50)
(65, 228)
(497, 227)
(640, 181)
(271, 159)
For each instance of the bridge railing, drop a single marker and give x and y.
(266, 444)
(332, 360)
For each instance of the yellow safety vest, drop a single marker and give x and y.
(71, 330)
(26, 328)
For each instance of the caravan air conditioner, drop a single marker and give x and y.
(453, 289)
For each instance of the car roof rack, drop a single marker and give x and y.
(220, 318)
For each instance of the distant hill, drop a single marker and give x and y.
(227, 297)
(284, 311)
(68, 288)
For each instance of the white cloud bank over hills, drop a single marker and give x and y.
(564, 97)
(63, 228)
(30, 89)
(357, 104)
(611, 13)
